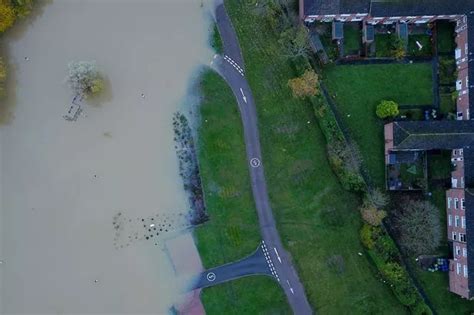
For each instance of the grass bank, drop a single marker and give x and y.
(358, 89)
(317, 220)
(232, 231)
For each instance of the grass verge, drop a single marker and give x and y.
(316, 218)
(232, 231)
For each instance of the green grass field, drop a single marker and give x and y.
(232, 231)
(352, 38)
(316, 218)
(358, 89)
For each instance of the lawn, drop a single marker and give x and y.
(232, 231)
(445, 37)
(352, 38)
(358, 89)
(424, 40)
(383, 45)
(317, 220)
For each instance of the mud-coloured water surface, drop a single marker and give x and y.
(64, 246)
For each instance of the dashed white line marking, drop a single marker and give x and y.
(278, 256)
(291, 289)
(234, 64)
(269, 261)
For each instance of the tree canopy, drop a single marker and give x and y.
(295, 40)
(419, 227)
(305, 85)
(84, 78)
(7, 16)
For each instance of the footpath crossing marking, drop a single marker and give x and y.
(255, 162)
(234, 64)
(269, 261)
(211, 276)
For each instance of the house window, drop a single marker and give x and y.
(465, 48)
(455, 152)
(464, 252)
(462, 237)
(457, 53)
(450, 220)
(458, 251)
(460, 151)
(454, 181)
(467, 81)
(454, 236)
(465, 271)
(463, 222)
(449, 202)
(456, 221)
(456, 203)
(458, 268)
(463, 206)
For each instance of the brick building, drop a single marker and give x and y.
(411, 137)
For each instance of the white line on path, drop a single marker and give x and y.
(291, 289)
(234, 64)
(278, 256)
(243, 95)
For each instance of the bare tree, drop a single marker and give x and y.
(418, 226)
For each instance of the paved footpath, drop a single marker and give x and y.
(231, 68)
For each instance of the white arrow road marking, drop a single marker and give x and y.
(291, 289)
(292, 292)
(243, 95)
(278, 256)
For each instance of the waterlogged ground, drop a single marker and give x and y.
(87, 205)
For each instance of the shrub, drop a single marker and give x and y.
(420, 308)
(305, 85)
(387, 109)
(377, 198)
(366, 236)
(398, 49)
(372, 215)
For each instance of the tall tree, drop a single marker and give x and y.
(418, 226)
(295, 40)
(84, 78)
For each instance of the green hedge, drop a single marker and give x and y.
(338, 151)
(386, 257)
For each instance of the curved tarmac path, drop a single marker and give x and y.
(231, 68)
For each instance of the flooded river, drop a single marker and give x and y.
(74, 195)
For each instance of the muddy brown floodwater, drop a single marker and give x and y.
(74, 194)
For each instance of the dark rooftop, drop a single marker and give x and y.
(420, 7)
(433, 135)
(321, 7)
(388, 7)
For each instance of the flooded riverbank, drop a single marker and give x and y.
(63, 184)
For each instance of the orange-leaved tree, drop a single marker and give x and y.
(305, 85)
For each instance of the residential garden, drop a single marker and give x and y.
(356, 91)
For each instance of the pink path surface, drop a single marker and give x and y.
(186, 263)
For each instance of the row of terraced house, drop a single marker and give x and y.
(406, 138)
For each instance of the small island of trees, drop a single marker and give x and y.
(84, 78)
